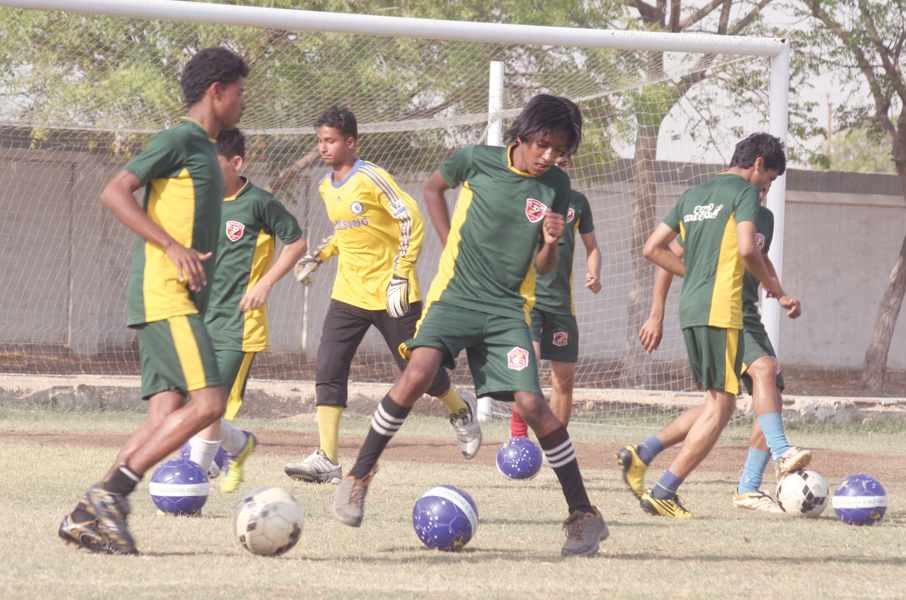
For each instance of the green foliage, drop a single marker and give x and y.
(863, 150)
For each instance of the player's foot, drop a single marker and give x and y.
(111, 511)
(315, 468)
(633, 469)
(232, 476)
(757, 500)
(468, 431)
(584, 531)
(349, 504)
(665, 508)
(794, 459)
(84, 535)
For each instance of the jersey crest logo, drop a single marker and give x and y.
(517, 358)
(356, 208)
(234, 230)
(534, 210)
(560, 338)
(759, 240)
(570, 215)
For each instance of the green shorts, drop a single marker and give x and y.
(758, 344)
(715, 357)
(499, 349)
(176, 355)
(558, 335)
(234, 368)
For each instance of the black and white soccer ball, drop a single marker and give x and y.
(802, 494)
(268, 521)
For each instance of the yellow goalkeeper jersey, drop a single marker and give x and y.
(378, 232)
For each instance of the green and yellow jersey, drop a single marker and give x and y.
(378, 233)
(250, 221)
(764, 224)
(488, 262)
(554, 291)
(706, 217)
(183, 193)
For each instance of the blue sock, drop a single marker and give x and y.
(772, 426)
(753, 471)
(666, 486)
(649, 449)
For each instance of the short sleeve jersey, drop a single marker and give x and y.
(183, 193)
(250, 221)
(706, 217)
(764, 225)
(378, 232)
(554, 291)
(488, 262)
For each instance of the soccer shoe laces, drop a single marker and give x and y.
(574, 524)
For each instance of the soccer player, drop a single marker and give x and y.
(509, 219)
(378, 236)
(555, 333)
(237, 319)
(761, 374)
(717, 222)
(168, 290)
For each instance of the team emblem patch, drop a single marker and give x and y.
(759, 240)
(570, 215)
(356, 208)
(517, 358)
(534, 210)
(560, 338)
(234, 230)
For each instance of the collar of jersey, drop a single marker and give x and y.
(239, 193)
(191, 120)
(355, 169)
(509, 162)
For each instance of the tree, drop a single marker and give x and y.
(862, 149)
(861, 41)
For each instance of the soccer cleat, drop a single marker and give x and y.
(633, 469)
(349, 504)
(232, 476)
(111, 510)
(468, 431)
(794, 459)
(664, 508)
(757, 500)
(584, 531)
(83, 535)
(315, 468)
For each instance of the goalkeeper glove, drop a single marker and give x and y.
(307, 265)
(398, 297)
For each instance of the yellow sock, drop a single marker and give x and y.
(329, 429)
(454, 403)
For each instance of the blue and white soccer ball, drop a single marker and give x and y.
(268, 521)
(179, 487)
(802, 494)
(216, 467)
(445, 518)
(519, 458)
(860, 500)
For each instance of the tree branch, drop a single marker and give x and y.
(699, 14)
(890, 67)
(746, 20)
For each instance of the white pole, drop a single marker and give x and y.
(495, 104)
(779, 117)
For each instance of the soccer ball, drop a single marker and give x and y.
(445, 518)
(179, 487)
(802, 494)
(268, 521)
(519, 458)
(216, 467)
(860, 500)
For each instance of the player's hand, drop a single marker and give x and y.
(594, 282)
(188, 265)
(397, 296)
(255, 298)
(307, 265)
(651, 334)
(792, 306)
(553, 227)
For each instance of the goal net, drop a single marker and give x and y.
(80, 94)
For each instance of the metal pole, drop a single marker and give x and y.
(495, 105)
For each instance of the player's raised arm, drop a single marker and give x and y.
(434, 191)
(289, 256)
(657, 250)
(551, 230)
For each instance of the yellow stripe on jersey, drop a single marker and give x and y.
(527, 291)
(234, 400)
(682, 231)
(731, 381)
(255, 328)
(726, 313)
(572, 297)
(188, 353)
(395, 196)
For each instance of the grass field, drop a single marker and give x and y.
(51, 456)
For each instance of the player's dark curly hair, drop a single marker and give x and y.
(340, 119)
(207, 67)
(230, 143)
(762, 145)
(544, 116)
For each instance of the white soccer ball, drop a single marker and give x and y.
(802, 494)
(268, 521)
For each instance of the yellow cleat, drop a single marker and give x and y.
(794, 459)
(633, 469)
(757, 501)
(230, 480)
(665, 508)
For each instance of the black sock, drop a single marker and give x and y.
(123, 481)
(558, 449)
(387, 420)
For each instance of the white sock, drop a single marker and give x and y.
(203, 452)
(233, 439)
